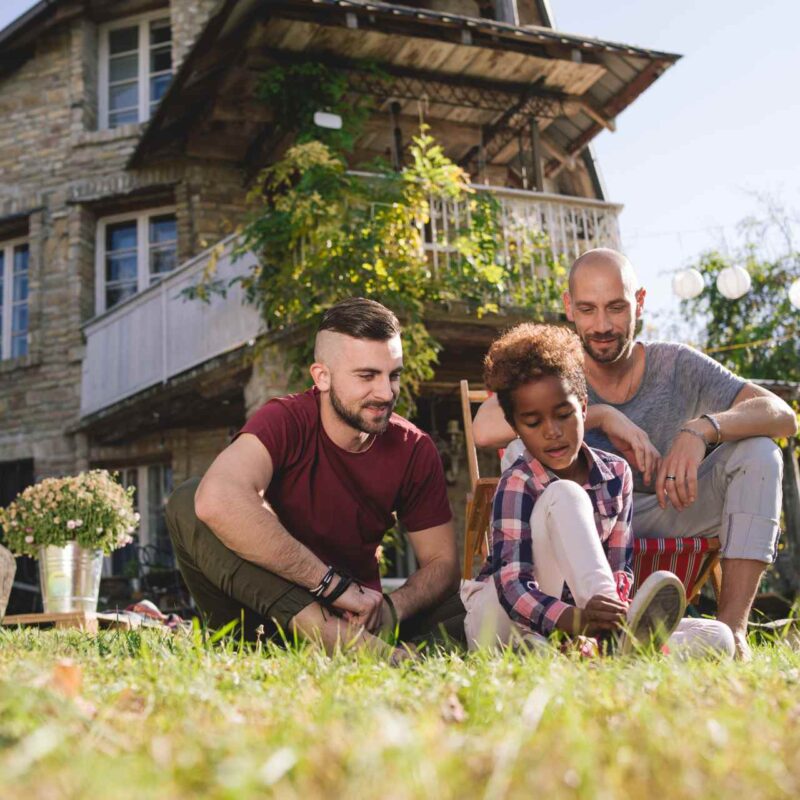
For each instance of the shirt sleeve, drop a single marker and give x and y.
(715, 387)
(512, 549)
(620, 541)
(423, 501)
(278, 429)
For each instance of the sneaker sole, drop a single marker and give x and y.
(658, 617)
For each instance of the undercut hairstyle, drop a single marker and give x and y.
(529, 352)
(361, 319)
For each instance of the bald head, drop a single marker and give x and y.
(604, 302)
(607, 261)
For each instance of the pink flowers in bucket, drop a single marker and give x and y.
(91, 509)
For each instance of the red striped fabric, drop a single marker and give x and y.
(684, 557)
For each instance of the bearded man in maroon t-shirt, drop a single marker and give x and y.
(283, 528)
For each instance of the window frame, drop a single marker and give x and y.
(146, 535)
(7, 299)
(142, 219)
(142, 21)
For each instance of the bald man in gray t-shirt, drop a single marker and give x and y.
(679, 384)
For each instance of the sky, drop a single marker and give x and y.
(692, 154)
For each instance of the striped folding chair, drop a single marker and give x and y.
(694, 560)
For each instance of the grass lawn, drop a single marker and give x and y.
(145, 715)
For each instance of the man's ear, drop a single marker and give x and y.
(321, 376)
(568, 305)
(584, 407)
(640, 295)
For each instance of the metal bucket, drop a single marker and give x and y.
(70, 578)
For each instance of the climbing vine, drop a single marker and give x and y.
(322, 233)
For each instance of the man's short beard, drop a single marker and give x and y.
(623, 346)
(356, 420)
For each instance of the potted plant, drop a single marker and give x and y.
(69, 524)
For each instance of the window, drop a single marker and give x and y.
(135, 68)
(134, 252)
(14, 299)
(153, 485)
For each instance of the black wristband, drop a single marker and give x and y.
(344, 583)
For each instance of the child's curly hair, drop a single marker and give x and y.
(528, 352)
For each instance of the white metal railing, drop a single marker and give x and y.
(533, 226)
(158, 333)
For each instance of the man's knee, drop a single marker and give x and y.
(759, 456)
(179, 512)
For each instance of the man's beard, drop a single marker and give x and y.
(622, 346)
(356, 419)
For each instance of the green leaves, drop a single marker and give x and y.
(758, 335)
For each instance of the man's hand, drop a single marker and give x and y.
(677, 477)
(632, 443)
(361, 606)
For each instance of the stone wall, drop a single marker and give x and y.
(189, 451)
(59, 175)
(188, 20)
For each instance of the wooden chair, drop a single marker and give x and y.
(694, 560)
(481, 492)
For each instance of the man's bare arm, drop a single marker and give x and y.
(755, 412)
(489, 427)
(230, 501)
(437, 576)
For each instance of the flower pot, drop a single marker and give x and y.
(70, 578)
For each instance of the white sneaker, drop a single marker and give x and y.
(654, 612)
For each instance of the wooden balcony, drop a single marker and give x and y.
(158, 333)
(534, 226)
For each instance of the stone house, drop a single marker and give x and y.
(128, 135)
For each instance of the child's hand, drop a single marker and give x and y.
(601, 613)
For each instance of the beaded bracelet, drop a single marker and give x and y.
(697, 434)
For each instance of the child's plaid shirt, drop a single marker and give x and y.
(510, 563)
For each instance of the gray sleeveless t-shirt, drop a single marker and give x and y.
(679, 384)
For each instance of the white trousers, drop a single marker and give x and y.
(567, 549)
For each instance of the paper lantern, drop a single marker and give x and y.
(733, 282)
(687, 283)
(794, 293)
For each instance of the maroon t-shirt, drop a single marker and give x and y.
(337, 503)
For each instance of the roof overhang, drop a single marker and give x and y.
(467, 71)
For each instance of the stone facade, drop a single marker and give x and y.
(60, 174)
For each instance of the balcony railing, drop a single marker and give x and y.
(533, 227)
(159, 334)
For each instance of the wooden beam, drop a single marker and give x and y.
(590, 111)
(537, 174)
(566, 159)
